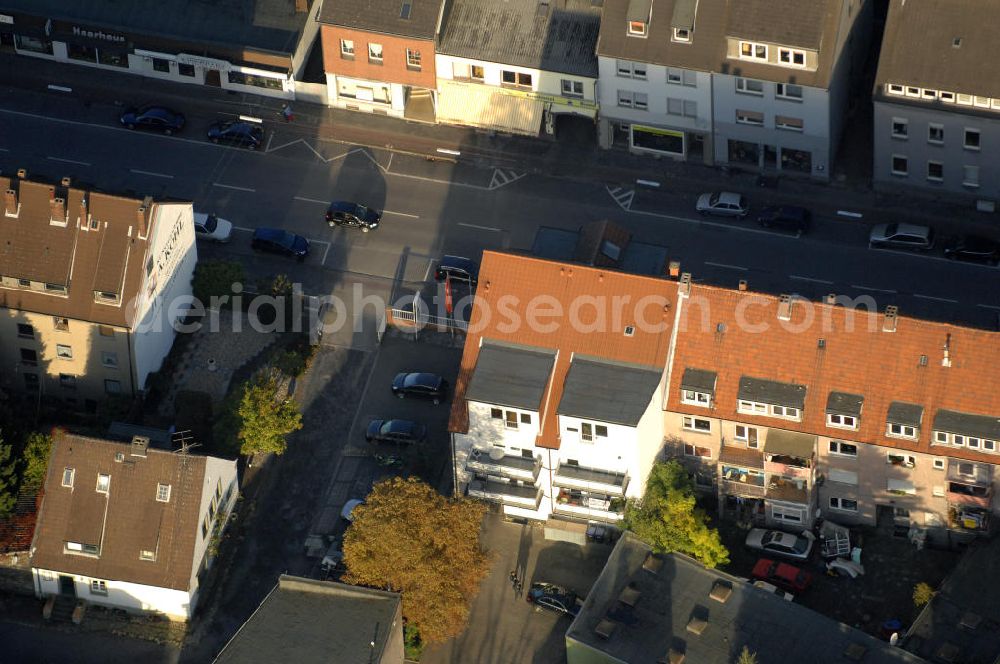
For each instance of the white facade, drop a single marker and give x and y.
(357, 94)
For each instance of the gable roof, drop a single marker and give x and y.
(899, 375)
(512, 299)
(385, 16)
(604, 391)
(126, 520)
(312, 622)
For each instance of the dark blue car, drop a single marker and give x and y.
(553, 597)
(344, 213)
(423, 385)
(401, 432)
(249, 135)
(153, 118)
(277, 241)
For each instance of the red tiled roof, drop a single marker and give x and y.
(509, 284)
(881, 366)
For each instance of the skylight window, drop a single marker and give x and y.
(404, 12)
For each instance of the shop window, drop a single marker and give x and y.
(33, 44)
(659, 140)
(185, 70)
(161, 65)
(83, 53)
(796, 160)
(242, 78)
(112, 58)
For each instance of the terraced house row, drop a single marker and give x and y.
(575, 380)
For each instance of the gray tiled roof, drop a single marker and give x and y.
(842, 403)
(983, 426)
(605, 391)
(790, 443)
(908, 414)
(511, 375)
(699, 380)
(774, 392)
(385, 16)
(557, 37)
(785, 22)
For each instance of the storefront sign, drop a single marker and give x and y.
(4, 18)
(203, 62)
(100, 35)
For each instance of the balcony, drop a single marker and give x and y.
(593, 506)
(968, 518)
(742, 456)
(739, 481)
(588, 479)
(788, 490)
(506, 493)
(969, 496)
(513, 467)
(788, 466)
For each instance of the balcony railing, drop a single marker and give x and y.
(593, 506)
(737, 488)
(779, 488)
(588, 479)
(787, 470)
(972, 496)
(515, 467)
(589, 512)
(508, 494)
(969, 518)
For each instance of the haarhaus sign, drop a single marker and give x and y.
(99, 35)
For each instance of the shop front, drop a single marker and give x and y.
(763, 156)
(656, 140)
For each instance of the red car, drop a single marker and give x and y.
(783, 575)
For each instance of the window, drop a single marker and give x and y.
(147, 555)
(640, 101)
(748, 86)
(935, 133)
(64, 352)
(590, 431)
(103, 483)
(790, 124)
(697, 424)
(751, 407)
(67, 478)
(843, 449)
(106, 331)
(30, 381)
(55, 288)
(753, 51)
(900, 487)
(971, 139)
(29, 357)
(690, 109)
(964, 99)
(747, 435)
(793, 57)
(404, 11)
(525, 418)
(843, 476)
(935, 171)
(675, 76)
(98, 587)
(938, 464)
(185, 69)
(496, 413)
(841, 421)
(900, 165)
(519, 79)
(788, 91)
(477, 72)
(109, 359)
(163, 493)
(682, 35)
(912, 92)
(347, 49)
(750, 118)
(786, 514)
(785, 412)
(689, 78)
(572, 88)
(905, 460)
(900, 127)
(112, 387)
(624, 68)
(161, 65)
(695, 451)
(412, 59)
(696, 398)
(625, 98)
(25, 331)
(958, 440)
(972, 443)
(937, 491)
(374, 53)
(970, 176)
(67, 381)
(843, 504)
(61, 324)
(639, 70)
(989, 445)
(637, 28)
(675, 106)
(929, 94)
(510, 419)
(947, 97)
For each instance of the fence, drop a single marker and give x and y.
(403, 318)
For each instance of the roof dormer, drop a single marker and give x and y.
(640, 12)
(682, 21)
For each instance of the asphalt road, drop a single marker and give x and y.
(433, 208)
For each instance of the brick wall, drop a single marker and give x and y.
(394, 68)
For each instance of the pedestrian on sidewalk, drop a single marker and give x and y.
(513, 579)
(286, 112)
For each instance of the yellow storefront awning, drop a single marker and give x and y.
(585, 111)
(488, 108)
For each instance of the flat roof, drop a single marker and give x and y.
(510, 374)
(607, 391)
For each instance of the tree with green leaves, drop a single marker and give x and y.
(37, 449)
(216, 278)
(409, 538)
(8, 480)
(265, 418)
(666, 517)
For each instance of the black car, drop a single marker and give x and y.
(424, 385)
(553, 597)
(975, 249)
(402, 432)
(155, 118)
(457, 268)
(277, 241)
(785, 217)
(343, 213)
(237, 132)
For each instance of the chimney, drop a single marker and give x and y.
(830, 299)
(946, 359)
(22, 174)
(785, 307)
(889, 324)
(10, 205)
(66, 182)
(58, 208)
(674, 269)
(743, 285)
(139, 446)
(685, 288)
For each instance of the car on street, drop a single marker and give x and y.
(902, 236)
(779, 543)
(554, 598)
(400, 432)
(277, 241)
(212, 228)
(153, 118)
(344, 213)
(974, 249)
(782, 575)
(240, 133)
(785, 217)
(723, 204)
(773, 590)
(421, 385)
(457, 268)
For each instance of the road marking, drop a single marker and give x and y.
(151, 174)
(812, 279)
(481, 228)
(4, 150)
(989, 306)
(401, 214)
(504, 176)
(234, 187)
(325, 253)
(59, 88)
(427, 274)
(623, 196)
(727, 265)
(311, 200)
(68, 161)
(869, 288)
(243, 228)
(938, 299)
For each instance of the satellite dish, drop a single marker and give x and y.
(496, 453)
(894, 639)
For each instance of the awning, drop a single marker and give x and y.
(585, 111)
(790, 443)
(486, 107)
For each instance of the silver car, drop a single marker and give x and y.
(902, 236)
(212, 228)
(778, 543)
(723, 204)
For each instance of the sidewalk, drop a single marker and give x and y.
(543, 155)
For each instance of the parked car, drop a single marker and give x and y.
(211, 227)
(774, 590)
(401, 432)
(343, 213)
(241, 133)
(902, 236)
(153, 118)
(974, 249)
(723, 204)
(553, 597)
(423, 385)
(786, 217)
(782, 575)
(780, 544)
(277, 241)
(457, 268)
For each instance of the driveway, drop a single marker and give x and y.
(504, 628)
